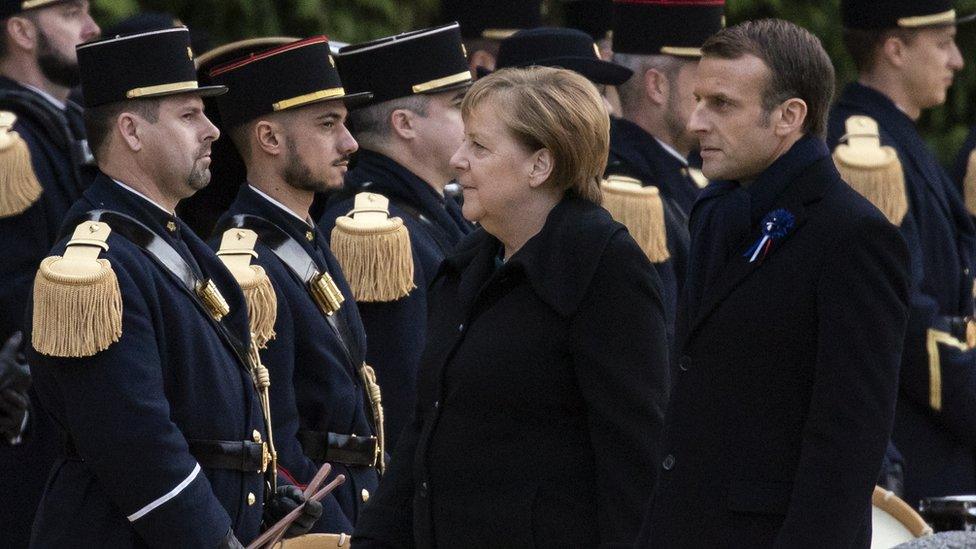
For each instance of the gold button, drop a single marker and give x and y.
(309, 236)
(171, 227)
(256, 436)
(365, 495)
(251, 498)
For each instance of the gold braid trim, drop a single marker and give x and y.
(641, 210)
(19, 187)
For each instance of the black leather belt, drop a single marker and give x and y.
(335, 448)
(233, 455)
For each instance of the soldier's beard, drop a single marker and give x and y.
(299, 175)
(55, 66)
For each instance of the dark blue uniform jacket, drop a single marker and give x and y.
(314, 386)
(54, 139)
(779, 417)
(130, 409)
(937, 445)
(396, 329)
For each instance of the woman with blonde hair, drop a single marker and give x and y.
(544, 379)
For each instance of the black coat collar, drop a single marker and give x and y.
(559, 262)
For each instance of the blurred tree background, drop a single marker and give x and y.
(359, 20)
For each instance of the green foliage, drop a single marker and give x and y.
(359, 20)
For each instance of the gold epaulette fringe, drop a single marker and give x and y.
(77, 300)
(872, 169)
(236, 252)
(969, 184)
(374, 250)
(641, 210)
(19, 187)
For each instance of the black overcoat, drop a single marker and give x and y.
(540, 398)
(788, 374)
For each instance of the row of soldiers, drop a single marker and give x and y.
(147, 367)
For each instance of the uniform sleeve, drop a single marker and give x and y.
(862, 301)
(621, 362)
(279, 358)
(118, 417)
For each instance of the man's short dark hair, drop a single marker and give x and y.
(798, 65)
(100, 120)
(863, 45)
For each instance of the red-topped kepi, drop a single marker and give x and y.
(665, 27)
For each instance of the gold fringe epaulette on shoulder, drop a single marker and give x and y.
(374, 250)
(19, 187)
(236, 252)
(641, 210)
(77, 301)
(872, 169)
(969, 184)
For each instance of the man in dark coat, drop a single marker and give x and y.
(407, 134)
(319, 400)
(906, 55)
(778, 419)
(141, 356)
(38, 68)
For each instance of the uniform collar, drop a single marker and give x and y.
(279, 205)
(144, 197)
(671, 150)
(559, 262)
(60, 105)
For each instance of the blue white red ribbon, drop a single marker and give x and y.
(775, 226)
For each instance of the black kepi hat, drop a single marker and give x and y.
(668, 27)
(13, 7)
(492, 19)
(283, 78)
(565, 48)
(906, 14)
(420, 62)
(139, 66)
(594, 17)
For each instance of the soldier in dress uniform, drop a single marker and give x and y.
(45, 165)
(407, 134)
(139, 336)
(660, 41)
(285, 113)
(485, 24)
(906, 57)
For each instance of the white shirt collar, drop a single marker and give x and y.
(279, 204)
(50, 98)
(144, 197)
(672, 152)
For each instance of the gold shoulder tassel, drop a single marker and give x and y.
(77, 301)
(969, 184)
(236, 251)
(374, 250)
(871, 169)
(641, 210)
(19, 187)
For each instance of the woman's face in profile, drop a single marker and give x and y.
(492, 168)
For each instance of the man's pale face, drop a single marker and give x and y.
(441, 132)
(681, 103)
(60, 28)
(319, 146)
(931, 60)
(737, 140)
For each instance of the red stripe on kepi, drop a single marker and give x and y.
(673, 2)
(266, 54)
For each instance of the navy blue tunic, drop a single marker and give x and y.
(314, 386)
(937, 445)
(129, 410)
(54, 139)
(396, 329)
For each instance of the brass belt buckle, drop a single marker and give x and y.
(265, 457)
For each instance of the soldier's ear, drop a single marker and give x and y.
(21, 33)
(267, 137)
(402, 123)
(128, 126)
(892, 50)
(656, 87)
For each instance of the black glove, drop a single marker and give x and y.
(14, 382)
(230, 541)
(286, 499)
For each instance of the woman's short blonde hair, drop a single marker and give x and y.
(555, 109)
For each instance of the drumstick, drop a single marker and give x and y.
(283, 524)
(320, 475)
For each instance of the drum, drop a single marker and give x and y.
(950, 513)
(894, 521)
(317, 541)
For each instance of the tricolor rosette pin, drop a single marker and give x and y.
(775, 226)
